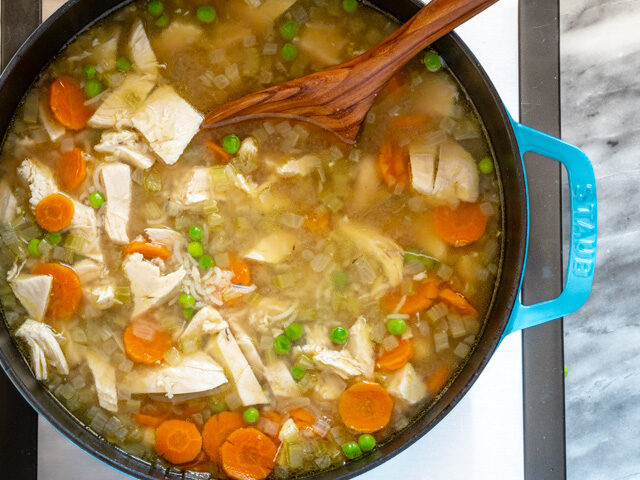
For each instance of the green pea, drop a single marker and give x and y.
(366, 442)
(123, 64)
(350, 6)
(294, 331)
(251, 415)
(396, 326)
(34, 247)
(218, 406)
(486, 166)
(289, 52)
(156, 7)
(90, 71)
(53, 238)
(206, 262)
(339, 335)
(188, 313)
(162, 21)
(195, 249)
(298, 372)
(351, 450)
(432, 61)
(195, 233)
(417, 255)
(289, 29)
(186, 300)
(93, 88)
(206, 14)
(340, 279)
(96, 199)
(231, 144)
(282, 344)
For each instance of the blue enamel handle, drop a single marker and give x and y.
(582, 252)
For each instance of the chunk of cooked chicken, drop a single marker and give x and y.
(323, 43)
(168, 237)
(317, 340)
(387, 253)
(8, 203)
(38, 178)
(361, 347)
(457, 175)
(50, 124)
(149, 287)
(119, 107)
(249, 349)
(366, 186)
(273, 248)
(33, 292)
(102, 297)
(105, 54)
(168, 123)
(142, 55)
(341, 363)
(44, 347)
(329, 386)
(89, 270)
(423, 170)
(195, 189)
(302, 166)
(85, 224)
(224, 348)
(207, 321)
(437, 97)
(104, 377)
(407, 384)
(177, 36)
(248, 151)
(116, 180)
(196, 372)
(280, 380)
(126, 146)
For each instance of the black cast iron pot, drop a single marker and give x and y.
(509, 140)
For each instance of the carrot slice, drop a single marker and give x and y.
(144, 350)
(65, 290)
(365, 407)
(216, 431)
(72, 169)
(393, 164)
(240, 269)
(248, 454)
(437, 379)
(217, 150)
(54, 212)
(419, 301)
(316, 221)
(461, 226)
(396, 358)
(67, 103)
(149, 420)
(457, 301)
(178, 441)
(303, 418)
(148, 249)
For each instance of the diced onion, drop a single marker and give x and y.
(462, 350)
(143, 331)
(67, 144)
(456, 326)
(319, 262)
(445, 271)
(441, 341)
(390, 343)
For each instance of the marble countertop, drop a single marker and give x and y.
(600, 60)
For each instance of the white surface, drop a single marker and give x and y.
(482, 438)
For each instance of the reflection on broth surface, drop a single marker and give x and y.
(257, 299)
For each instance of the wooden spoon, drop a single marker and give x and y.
(338, 99)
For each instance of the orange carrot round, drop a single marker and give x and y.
(419, 301)
(240, 269)
(178, 441)
(65, 290)
(148, 249)
(365, 407)
(393, 165)
(54, 212)
(142, 350)
(457, 301)
(72, 169)
(396, 358)
(461, 226)
(67, 103)
(303, 418)
(248, 454)
(437, 379)
(216, 431)
(149, 420)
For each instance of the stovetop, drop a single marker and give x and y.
(485, 436)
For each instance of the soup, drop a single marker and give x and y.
(257, 299)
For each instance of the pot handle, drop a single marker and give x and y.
(584, 227)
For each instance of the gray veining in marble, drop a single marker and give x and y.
(600, 48)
